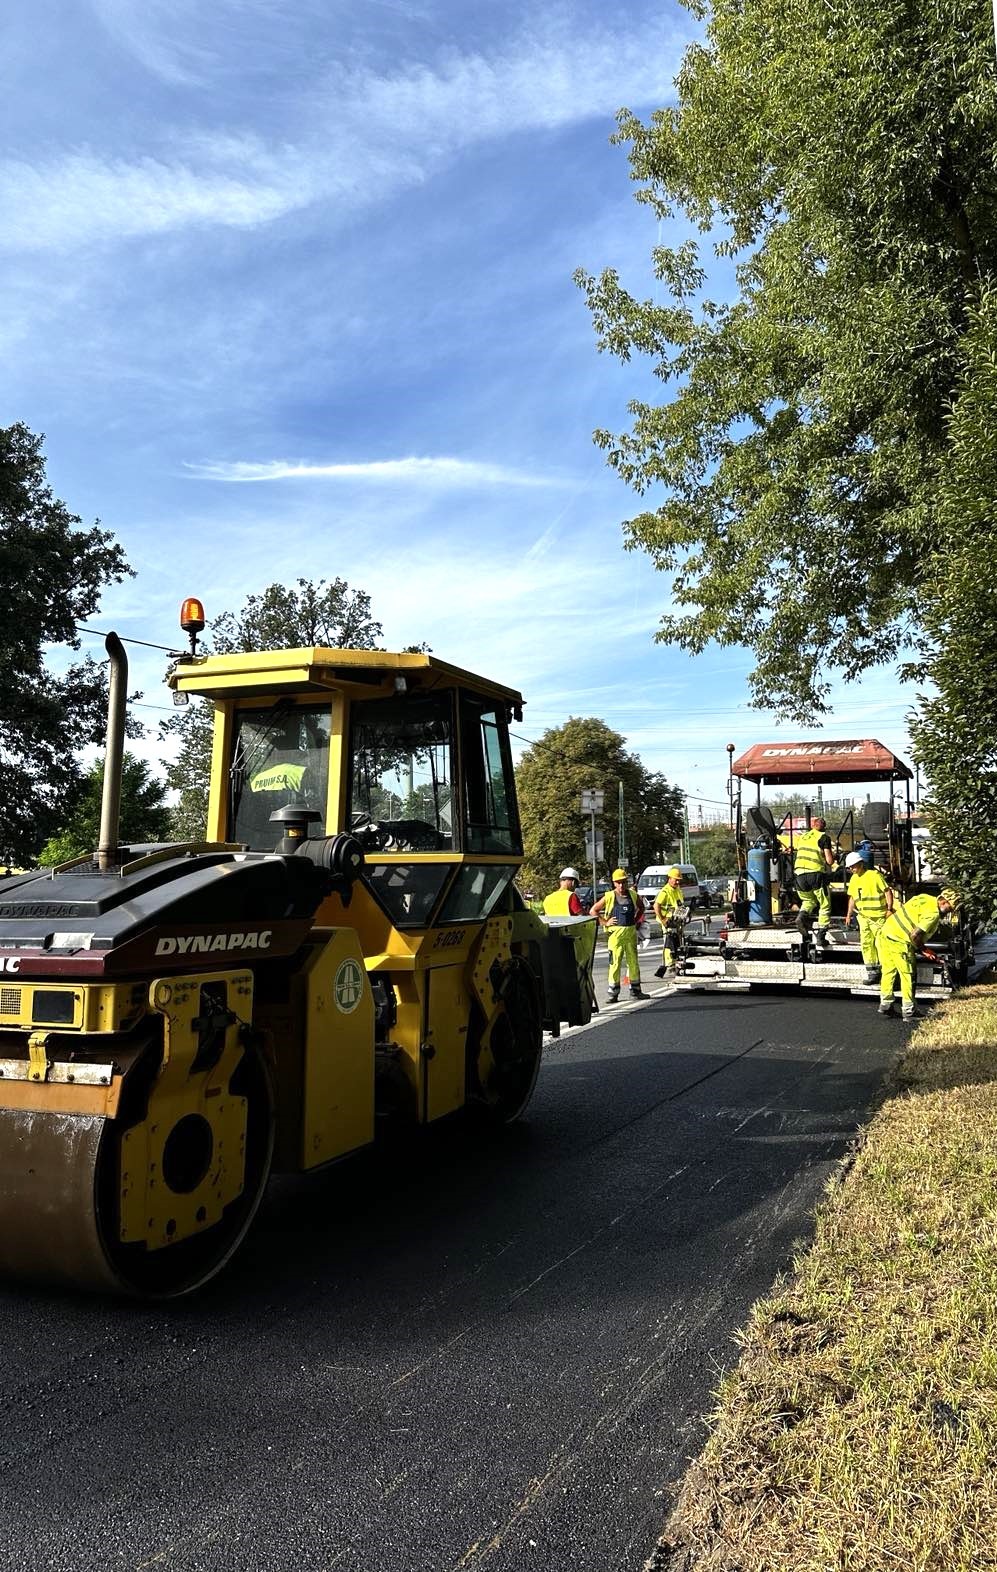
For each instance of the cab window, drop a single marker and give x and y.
(401, 773)
(280, 757)
(492, 823)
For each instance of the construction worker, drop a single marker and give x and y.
(870, 899)
(666, 905)
(904, 932)
(812, 864)
(618, 911)
(563, 902)
(279, 777)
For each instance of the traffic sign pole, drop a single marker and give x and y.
(592, 803)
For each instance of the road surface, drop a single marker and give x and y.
(476, 1355)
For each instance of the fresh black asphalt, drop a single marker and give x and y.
(477, 1354)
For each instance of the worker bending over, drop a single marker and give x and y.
(666, 908)
(563, 902)
(618, 911)
(812, 864)
(870, 899)
(905, 932)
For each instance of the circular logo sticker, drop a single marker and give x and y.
(348, 986)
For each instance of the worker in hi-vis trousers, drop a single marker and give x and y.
(870, 899)
(904, 932)
(812, 864)
(666, 907)
(618, 911)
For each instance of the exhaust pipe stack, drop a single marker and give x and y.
(114, 753)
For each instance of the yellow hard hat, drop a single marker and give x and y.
(953, 897)
(620, 873)
(675, 873)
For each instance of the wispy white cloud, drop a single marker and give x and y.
(543, 80)
(425, 471)
(360, 137)
(84, 198)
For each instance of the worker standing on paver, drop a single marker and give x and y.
(563, 902)
(870, 899)
(666, 908)
(812, 863)
(617, 912)
(903, 933)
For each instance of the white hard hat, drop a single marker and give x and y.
(570, 873)
(853, 858)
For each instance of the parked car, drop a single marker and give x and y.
(716, 889)
(584, 893)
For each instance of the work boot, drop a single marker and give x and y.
(822, 938)
(661, 971)
(871, 976)
(909, 1012)
(636, 992)
(886, 1007)
(613, 995)
(803, 923)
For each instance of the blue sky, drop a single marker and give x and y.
(288, 288)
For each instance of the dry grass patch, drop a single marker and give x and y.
(860, 1427)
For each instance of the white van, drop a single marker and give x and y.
(653, 878)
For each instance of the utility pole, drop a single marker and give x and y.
(592, 803)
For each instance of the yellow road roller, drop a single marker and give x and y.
(345, 951)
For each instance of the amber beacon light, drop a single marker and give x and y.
(192, 620)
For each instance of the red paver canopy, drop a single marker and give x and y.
(796, 763)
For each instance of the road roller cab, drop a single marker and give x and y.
(346, 950)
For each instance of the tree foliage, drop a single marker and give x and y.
(550, 778)
(841, 159)
(144, 817)
(955, 729)
(713, 852)
(51, 576)
(281, 617)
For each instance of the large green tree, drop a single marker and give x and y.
(282, 616)
(144, 813)
(838, 159)
(52, 573)
(955, 728)
(550, 777)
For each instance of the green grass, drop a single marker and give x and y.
(859, 1430)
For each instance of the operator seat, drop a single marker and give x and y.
(876, 829)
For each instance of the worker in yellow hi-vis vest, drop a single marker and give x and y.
(618, 911)
(668, 904)
(812, 864)
(905, 931)
(563, 902)
(278, 777)
(870, 900)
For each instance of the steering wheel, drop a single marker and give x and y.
(371, 835)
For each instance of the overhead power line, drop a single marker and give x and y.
(125, 638)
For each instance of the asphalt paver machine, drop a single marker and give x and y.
(762, 941)
(345, 951)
